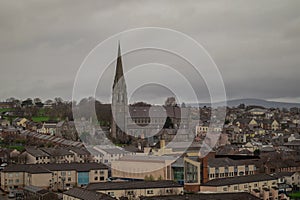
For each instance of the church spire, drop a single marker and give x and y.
(119, 67)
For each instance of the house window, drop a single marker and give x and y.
(191, 174)
(169, 191)
(96, 178)
(131, 192)
(224, 188)
(235, 187)
(101, 178)
(149, 191)
(111, 194)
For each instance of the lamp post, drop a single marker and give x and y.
(63, 179)
(63, 182)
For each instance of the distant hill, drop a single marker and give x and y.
(257, 102)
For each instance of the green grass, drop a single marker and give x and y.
(41, 112)
(19, 148)
(295, 195)
(40, 118)
(5, 109)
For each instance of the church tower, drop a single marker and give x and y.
(119, 101)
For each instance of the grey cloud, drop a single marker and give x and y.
(255, 44)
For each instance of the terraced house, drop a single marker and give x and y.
(52, 176)
(262, 186)
(198, 171)
(136, 189)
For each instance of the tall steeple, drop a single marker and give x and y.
(119, 101)
(119, 67)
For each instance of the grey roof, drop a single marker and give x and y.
(35, 189)
(59, 124)
(94, 152)
(205, 196)
(147, 158)
(223, 162)
(56, 151)
(83, 194)
(178, 163)
(133, 185)
(239, 180)
(293, 143)
(36, 152)
(172, 112)
(79, 151)
(30, 168)
(283, 174)
(47, 168)
(114, 151)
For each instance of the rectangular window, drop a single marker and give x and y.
(112, 194)
(149, 191)
(191, 173)
(169, 191)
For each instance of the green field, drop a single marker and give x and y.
(295, 195)
(5, 109)
(40, 118)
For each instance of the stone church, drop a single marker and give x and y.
(133, 120)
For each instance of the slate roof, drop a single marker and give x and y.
(56, 151)
(35, 189)
(293, 143)
(36, 152)
(283, 174)
(239, 180)
(79, 151)
(172, 112)
(114, 151)
(205, 196)
(47, 168)
(124, 185)
(83, 194)
(149, 158)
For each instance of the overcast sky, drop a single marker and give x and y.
(255, 44)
